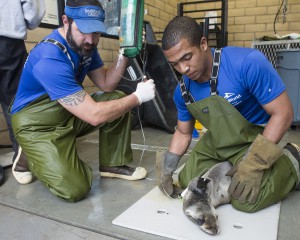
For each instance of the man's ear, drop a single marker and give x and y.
(65, 20)
(203, 44)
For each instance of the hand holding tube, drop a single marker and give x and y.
(145, 91)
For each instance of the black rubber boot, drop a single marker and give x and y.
(295, 151)
(2, 175)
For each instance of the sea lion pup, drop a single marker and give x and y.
(204, 194)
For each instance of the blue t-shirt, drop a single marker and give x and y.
(49, 71)
(246, 79)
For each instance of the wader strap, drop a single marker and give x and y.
(187, 96)
(60, 45)
(215, 72)
(64, 49)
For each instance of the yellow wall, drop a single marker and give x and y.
(253, 19)
(247, 20)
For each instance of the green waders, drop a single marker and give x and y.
(47, 134)
(228, 137)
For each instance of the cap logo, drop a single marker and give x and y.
(92, 12)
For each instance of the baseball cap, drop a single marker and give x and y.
(88, 18)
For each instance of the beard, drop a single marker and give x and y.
(79, 49)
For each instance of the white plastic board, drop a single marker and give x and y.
(144, 216)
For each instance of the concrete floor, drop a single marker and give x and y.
(32, 212)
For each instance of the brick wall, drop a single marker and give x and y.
(253, 19)
(160, 12)
(247, 20)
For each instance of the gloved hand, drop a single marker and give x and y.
(145, 91)
(248, 173)
(169, 164)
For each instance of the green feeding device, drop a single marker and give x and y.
(131, 27)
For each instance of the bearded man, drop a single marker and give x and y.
(52, 108)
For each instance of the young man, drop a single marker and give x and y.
(242, 102)
(51, 107)
(16, 17)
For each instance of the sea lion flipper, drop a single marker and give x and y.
(202, 182)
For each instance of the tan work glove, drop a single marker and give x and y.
(169, 164)
(247, 174)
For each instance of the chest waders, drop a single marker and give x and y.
(228, 137)
(47, 134)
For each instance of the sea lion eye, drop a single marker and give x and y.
(200, 221)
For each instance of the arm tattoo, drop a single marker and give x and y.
(74, 99)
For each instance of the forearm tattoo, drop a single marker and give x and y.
(74, 99)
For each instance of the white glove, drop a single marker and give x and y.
(145, 91)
